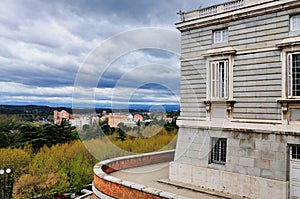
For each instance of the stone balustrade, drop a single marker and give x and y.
(203, 12)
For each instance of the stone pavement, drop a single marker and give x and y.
(156, 176)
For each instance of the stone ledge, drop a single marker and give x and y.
(106, 186)
(198, 189)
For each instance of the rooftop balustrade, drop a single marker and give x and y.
(204, 12)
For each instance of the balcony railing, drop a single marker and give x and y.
(231, 5)
(208, 11)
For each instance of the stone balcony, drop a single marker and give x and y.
(219, 8)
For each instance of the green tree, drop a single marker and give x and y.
(60, 168)
(49, 134)
(5, 138)
(120, 131)
(29, 134)
(104, 126)
(139, 134)
(17, 160)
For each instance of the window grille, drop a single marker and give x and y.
(218, 152)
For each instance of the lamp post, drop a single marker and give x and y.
(6, 183)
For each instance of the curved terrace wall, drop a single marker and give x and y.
(106, 187)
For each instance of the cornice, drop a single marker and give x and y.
(242, 13)
(220, 51)
(289, 42)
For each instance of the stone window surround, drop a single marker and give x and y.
(219, 54)
(287, 46)
(219, 79)
(293, 27)
(224, 36)
(295, 152)
(289, 74)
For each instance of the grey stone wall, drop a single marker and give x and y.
(193, 88)
(255, 154)
(257, 86)
(257, 75)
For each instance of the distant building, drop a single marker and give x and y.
(77, 120)
(138, 117)
(80, 120)
(239, 126)
(114, 120)
(60, 115)
(128, 120)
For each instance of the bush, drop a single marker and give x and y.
(18, 161)
(53, 170)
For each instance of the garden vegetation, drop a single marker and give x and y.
(48, 160)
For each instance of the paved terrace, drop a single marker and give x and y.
(144, 176)
(156, 176)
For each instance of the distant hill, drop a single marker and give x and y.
(164, 108)
(45, 111)
(30, 110)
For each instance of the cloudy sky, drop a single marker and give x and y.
(91, 52)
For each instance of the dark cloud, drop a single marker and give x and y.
(43, 44)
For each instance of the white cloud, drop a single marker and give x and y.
(43, 46)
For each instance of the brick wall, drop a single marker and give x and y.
(116, 188)
(137, 161)
(119, 191)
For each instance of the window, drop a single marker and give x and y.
(295, 23)
(294, 75)
(221, 36)
(295, 152)
(218, 152)
(219, 79)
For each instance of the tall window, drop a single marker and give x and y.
(221, 36)
(219, 79)
(218, 152)
(294, 74)
(295, 23)
(295, 152)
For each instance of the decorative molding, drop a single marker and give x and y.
(286, 105)
(220, 51)
(239, 52)
(289, 101)
(244, 125)
(245, 12)
(289, 42)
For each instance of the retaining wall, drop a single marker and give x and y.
(107, 187)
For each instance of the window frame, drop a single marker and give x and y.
(293, 25)
(224, 36)
(289, 76)
(295, 152)
(219, 82)
(218, 149)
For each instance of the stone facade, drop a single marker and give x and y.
(256, 163)
(239, 90)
